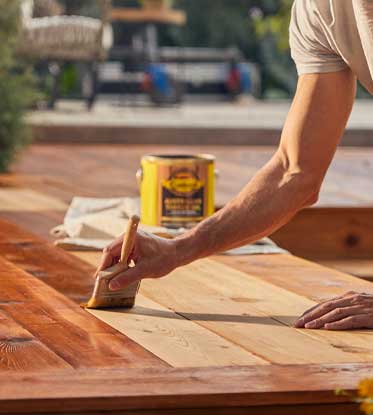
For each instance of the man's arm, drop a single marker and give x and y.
(288, 182)
(292, 178)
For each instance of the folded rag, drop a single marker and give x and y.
(91, 224)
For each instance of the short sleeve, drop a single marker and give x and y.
(308, 44)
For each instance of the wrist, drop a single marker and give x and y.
(186, 249)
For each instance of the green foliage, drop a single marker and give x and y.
(278, 69)
(276, 25)
(16, 92)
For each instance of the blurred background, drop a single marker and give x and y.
(146, 63)
(165, 50)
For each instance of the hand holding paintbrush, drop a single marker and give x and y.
(102, 296)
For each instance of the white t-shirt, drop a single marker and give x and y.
(330, 35)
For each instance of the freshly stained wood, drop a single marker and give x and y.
(20, 351)
(237, 390)
(55, 267)
(347, 183)
(62, 327)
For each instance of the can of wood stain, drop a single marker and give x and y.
(176, 190)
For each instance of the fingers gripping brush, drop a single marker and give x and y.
(102, 296)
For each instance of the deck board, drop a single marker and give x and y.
(238, 390)
(63, 167)
(62, 327)
(174, 337)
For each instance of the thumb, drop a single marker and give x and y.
(128, 277)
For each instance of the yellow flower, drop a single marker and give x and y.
(366, 388)
(367, 407)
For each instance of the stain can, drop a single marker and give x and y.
(176, 190)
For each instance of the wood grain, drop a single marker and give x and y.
(260, 304)
(328, 233)
(18, 199)
(174, 338)
(183, 390)
(44, 261)
(57, 167)
(63, 327)
(235, 305)
(297, 275)
(21, 351)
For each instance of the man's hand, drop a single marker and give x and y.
(153, 256)
(350, 311)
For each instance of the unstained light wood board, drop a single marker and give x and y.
(174, 338)
(21, 200)
(247, 311)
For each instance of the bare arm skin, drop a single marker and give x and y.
(292, 178)
(287, 183)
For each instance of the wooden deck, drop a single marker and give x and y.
(216, 336)
(340, 227)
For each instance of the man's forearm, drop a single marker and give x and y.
(267, 202)
(291, 180)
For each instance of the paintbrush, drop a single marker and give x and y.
(102, 296)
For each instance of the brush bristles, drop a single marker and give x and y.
(103, 297)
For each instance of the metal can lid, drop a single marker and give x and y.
(178, 158)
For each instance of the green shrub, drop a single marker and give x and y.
(16, 86)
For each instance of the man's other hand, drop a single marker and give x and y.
(350, 311)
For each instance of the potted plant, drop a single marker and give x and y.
(16, 89)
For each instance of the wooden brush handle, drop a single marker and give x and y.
(129, 239)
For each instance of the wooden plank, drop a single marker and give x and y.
(21, 351)
(329, 233)
(362, 268)
(38, 223)
(65, 328)
(156, 390)
(297, 275)
(18, 199)
(225, 301)
(173, 338)
(278, 303)
(62, 271)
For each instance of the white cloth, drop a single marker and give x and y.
(91, 224)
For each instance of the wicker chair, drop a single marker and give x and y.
(58, 39)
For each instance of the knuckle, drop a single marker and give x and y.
(327, 307)
(338, 311)
(107, 249)
(358, 298)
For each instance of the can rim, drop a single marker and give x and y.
(178, 158)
